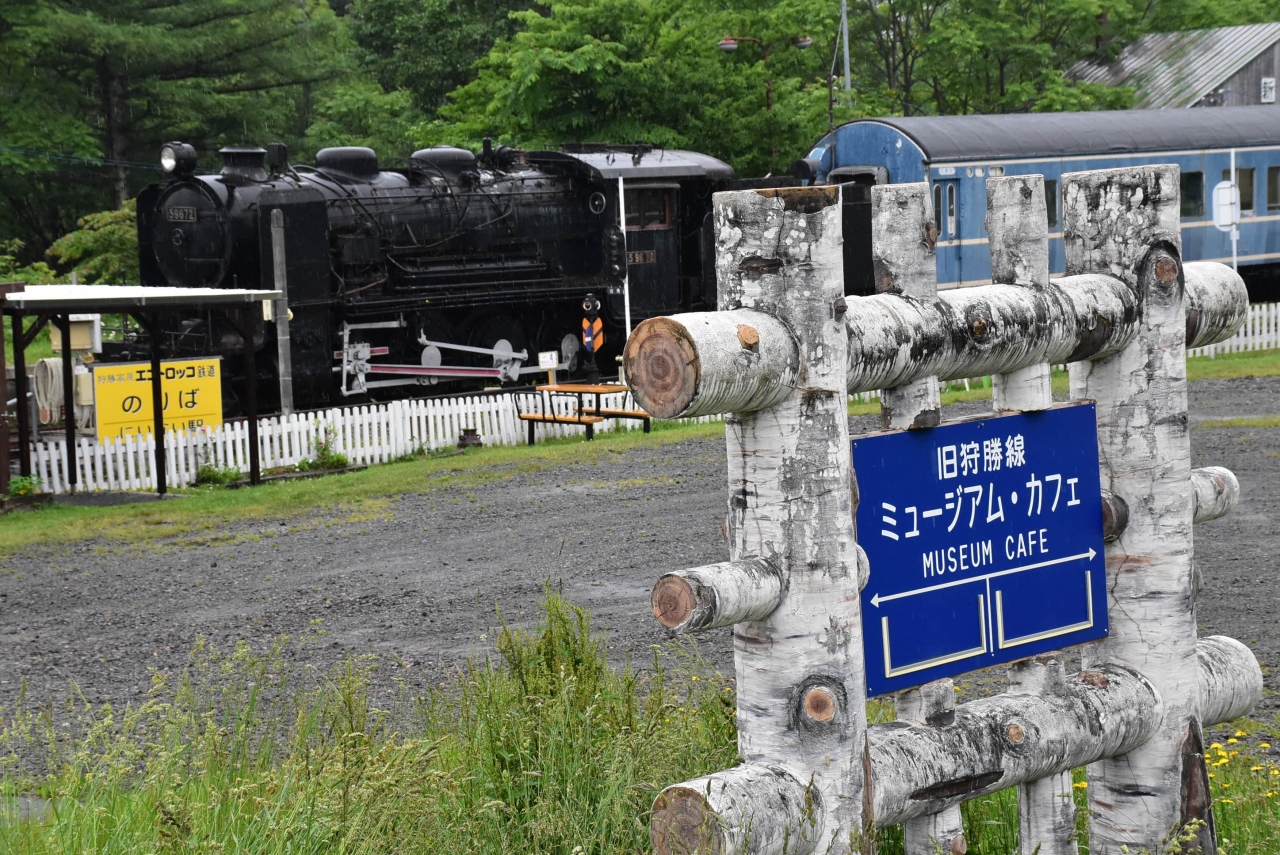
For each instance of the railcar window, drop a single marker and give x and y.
(1273, 188)
(1051, 201)
(648, 209)
(1244, 180)
(951, 209)
(1192, 191)
(937, 207)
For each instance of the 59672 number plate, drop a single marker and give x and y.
(180, 215)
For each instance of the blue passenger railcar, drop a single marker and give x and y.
(957, 154)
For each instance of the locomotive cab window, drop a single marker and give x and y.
(1273, 188)
(1191, 188)
(1244, 180)
(648, 209)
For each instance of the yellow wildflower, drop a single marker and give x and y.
(1081, 785)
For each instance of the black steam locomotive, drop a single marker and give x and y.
(458, 266)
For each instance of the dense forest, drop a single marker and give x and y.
(90, 89)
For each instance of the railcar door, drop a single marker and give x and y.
(946, 216)
(653, 246)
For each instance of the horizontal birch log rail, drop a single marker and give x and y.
(992, 744)
(703, 363)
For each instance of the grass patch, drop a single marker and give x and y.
(547, 750)
(1267, 421)
(1255, 363)
(544, 750)
(353, 496)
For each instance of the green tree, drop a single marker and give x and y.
(151, 70)
(428, 47)
(103, 249)
(649, 70)
(356, 111)
(989, 56)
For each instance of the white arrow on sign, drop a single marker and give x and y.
(877, 599)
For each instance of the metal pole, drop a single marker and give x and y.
(844, 34)
(251, 376)
(4, 423)
(157, 404)
(1235, 226)
(21, 389)
(280, 273)
(626, 269)
(68, 400)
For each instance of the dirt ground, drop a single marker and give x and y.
(419, 588)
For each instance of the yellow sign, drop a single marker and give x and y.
(190, 388)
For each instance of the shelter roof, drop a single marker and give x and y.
(128, 298)
(1178, 69)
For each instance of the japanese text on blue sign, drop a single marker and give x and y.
(985, 544)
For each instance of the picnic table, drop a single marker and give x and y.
(590, 409)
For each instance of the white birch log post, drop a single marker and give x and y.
(1125, 222)
(800, 676)
(1217, 491)
(931, 705)
(1018, 226)
(992, 329)
(1046, 808)
(904, 242)
(1018, 230)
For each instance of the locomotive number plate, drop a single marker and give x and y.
(642, 256)
(180, 215)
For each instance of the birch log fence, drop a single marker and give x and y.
(777, 361)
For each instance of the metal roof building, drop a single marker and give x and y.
(1227, 66)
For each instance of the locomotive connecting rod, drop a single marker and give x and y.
(679, 366)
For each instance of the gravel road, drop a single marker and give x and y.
(418, 587)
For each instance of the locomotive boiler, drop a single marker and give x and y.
(456, 266)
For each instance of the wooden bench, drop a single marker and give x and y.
(618, 413)
(586, 413)
(567, 419)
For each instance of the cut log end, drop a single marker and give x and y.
(820, 704)
(662, 367)
(673, 600)
(683, 822)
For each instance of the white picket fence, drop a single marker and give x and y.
(1260, 332)
(375, 433)
(380, 432)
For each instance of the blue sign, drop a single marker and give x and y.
(985, 544)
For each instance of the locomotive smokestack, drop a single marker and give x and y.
(277, 157)
(242, 164)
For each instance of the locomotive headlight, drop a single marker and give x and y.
(177, 158)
